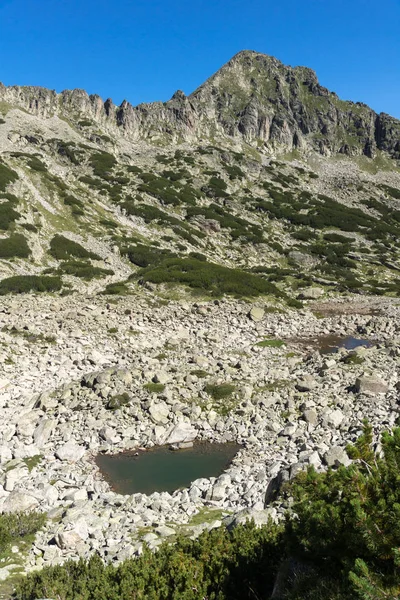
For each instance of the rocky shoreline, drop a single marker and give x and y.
(81, 377)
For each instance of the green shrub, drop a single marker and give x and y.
(8, 215)
(116, 289)
(83, 270)
(219, 392)
(154, 388)
(14, 246)
(62, 248)
(102, 164)
(20, 284)
(7, 176)
(209, 277)
(134, 169)
(144, 256)
(70, 200)
(348, 520)
(17, 526)
(219, 565)
(36, 164)
(30, 227)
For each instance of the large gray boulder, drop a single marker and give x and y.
(256, 314)
(260, 517)
(336, 456)
(19, 502)
(370, 384)
(181, 432)
(70, 452)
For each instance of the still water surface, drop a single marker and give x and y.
(163, 470)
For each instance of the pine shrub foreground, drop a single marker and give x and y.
(342, 542)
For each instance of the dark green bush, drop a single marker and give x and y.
(219, 392)
(14, 246)
(211, 278)
(102, 164)
(7, 176)
(21, 284)
(17, 526)
(219, 565)
(144, 256)
(83, 270)
(36, 164)
(116, 289)
(62, 248)
(8, 215)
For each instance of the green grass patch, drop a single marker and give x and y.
(154, 388)
(270, 344)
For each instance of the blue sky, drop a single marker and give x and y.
(143, 50)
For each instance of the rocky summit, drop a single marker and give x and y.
(220, 267)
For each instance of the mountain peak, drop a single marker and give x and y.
(253, 98)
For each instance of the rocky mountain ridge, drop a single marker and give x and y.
(253, 98)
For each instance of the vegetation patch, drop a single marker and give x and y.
(220, 392)
(83, 270)
(20, 284)
(14, 246)
(116, 289)
(7, 176)
(154, 388)
(19, 527)
(8, 214)
(62, 248)
(213, 279)
(271, 344)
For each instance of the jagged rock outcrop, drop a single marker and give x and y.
(253, 97)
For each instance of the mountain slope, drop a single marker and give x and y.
(191, 192)
(253, 96)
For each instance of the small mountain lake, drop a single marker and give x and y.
(161, 469)
(330, 344)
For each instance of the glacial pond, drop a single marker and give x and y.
(330, 344)
(161, 469)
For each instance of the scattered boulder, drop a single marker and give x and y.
(19, 502)
(370, 384)
(256, 314)
(182, 432)
(336, 456)
(306, 384)
(68, 540)
(70, 452)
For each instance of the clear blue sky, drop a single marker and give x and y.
(144, 50)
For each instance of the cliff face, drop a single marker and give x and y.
(253, 97)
